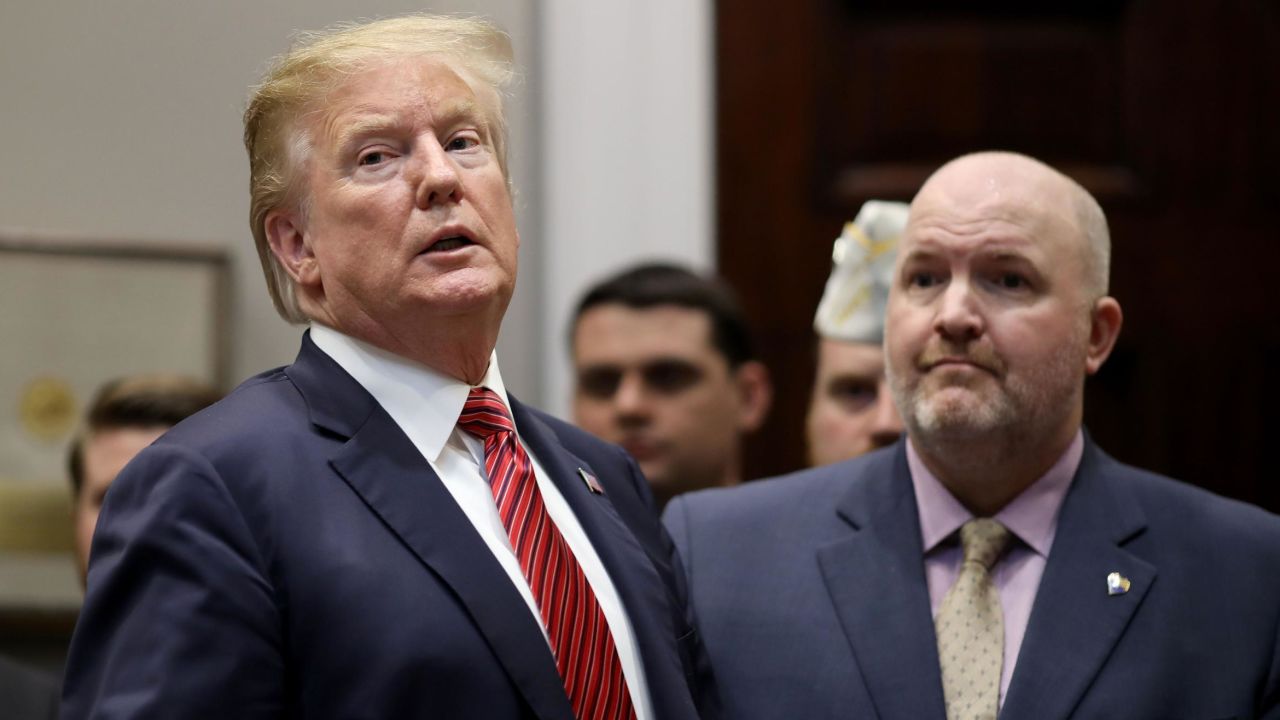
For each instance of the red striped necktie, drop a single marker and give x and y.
(580, 639)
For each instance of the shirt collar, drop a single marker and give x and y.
(1032, 516)
(422, 401)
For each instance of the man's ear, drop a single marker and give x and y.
(1105, 321)
(290, 246)
(755, 394)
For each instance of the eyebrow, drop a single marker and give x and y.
(458, 109)
(918, 253)
(1006, 255)
(1004, 249)
(365, 124)
(371, 120)
(462, 110)
(355, 123)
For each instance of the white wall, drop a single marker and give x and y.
(121, 120)
(627, 150)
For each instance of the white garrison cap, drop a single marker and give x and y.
(853, 304)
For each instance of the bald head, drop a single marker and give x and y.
(1026, 193)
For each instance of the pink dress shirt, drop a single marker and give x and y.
(1032, 517)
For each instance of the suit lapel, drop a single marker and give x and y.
(1074, 622)
(876, 581)
(612, 541)
(383, 467)
(637, 583)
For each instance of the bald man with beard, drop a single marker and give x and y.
(996, 560)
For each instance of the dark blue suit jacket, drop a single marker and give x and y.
(810, 598)
(288, 553)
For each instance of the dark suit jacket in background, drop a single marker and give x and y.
(289, 553)
(26, 694)
(810, 597)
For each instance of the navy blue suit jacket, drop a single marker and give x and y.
(288, 553)
(810, 597)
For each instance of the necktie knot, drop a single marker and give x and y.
(983, 540)
(484, 414)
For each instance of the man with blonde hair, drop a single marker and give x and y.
(379, 530)
(996, 562)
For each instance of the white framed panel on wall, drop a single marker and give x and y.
(76, 314)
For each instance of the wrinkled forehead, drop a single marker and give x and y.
(386, 87)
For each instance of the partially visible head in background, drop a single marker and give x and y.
(125, 416)
(851, 410)
(665, 366)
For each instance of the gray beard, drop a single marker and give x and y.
(1025, 408)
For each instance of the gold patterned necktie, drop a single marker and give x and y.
(970, 626)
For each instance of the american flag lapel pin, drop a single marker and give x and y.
(592, 483)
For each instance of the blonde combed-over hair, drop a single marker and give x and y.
(298, 81)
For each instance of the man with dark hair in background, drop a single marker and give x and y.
(665, 367)
(126, 415)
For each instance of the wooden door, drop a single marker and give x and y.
(1167, 111)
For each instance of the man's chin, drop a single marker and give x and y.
(482, 294)
(655, 473)
(953, 415)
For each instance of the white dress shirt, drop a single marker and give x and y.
(426, 405)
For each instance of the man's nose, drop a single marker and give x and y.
(631, 398)
(886, 424)
(959, 315)
(438, 182)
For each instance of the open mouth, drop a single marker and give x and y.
(449, 243)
